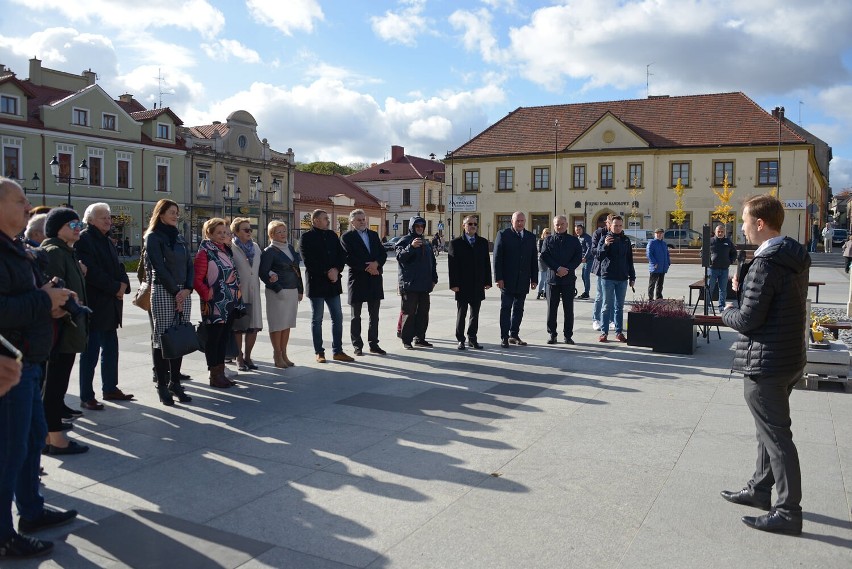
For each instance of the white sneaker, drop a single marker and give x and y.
(612, 325)
(596, 325)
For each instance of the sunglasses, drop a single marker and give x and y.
(74, 225)
(473, 224)
(246, 229)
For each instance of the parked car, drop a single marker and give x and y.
(390, 244)
(642, 236)
(682, 238)
(839, 237)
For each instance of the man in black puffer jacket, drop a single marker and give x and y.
(771, 354)
(418, 275)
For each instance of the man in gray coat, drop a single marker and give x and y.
(771, 355)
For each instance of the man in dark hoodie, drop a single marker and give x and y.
(771, 354)
(418, 275)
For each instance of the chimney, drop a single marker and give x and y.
(90, 76)
(397, 153)
(126, 98)
(35, 71)
(778, 113)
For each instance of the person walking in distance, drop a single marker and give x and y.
(366, 258)
(723, 254)
(827, 236)
(542, 268)
(658, 264)
(587, 259)
(561, 254)
(515, 266)
(418, 275)
(324, 259)
(770, 352)
(470, 276)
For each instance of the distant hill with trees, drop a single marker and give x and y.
(330, 168)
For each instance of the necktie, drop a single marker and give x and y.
(472, 240)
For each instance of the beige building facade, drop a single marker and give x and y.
(588, 160)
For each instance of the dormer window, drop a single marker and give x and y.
(163, 131)
(8, 105)
(108, 122)
(80, 117)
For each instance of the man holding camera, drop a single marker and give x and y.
(28, 306)
(615, 254)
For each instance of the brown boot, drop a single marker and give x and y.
(217, 377)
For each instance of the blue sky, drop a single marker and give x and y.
(343, 80)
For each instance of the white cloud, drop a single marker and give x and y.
(179, 88)
(289, 17)
(402, 26)
(61, 48)
(476, 33)
(224, 49)
(841, 174)
(196, 15)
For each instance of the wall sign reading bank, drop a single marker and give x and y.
(462, 203)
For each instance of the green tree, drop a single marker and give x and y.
(327, 168)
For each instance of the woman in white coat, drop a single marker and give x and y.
(247, 261)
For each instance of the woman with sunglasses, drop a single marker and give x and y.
(62, 229)
(246, 255)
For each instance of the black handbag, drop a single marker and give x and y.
(179, 339)
(242, 321)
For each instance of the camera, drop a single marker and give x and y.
(71, 306)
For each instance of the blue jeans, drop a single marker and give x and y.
(542, 281)
(336, 313)
(587, 276)
(613, 305)
(105, 344)
(596, 312)
(718, 278)
(22, 433)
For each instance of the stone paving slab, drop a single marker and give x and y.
(541, 456)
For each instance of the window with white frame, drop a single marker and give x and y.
(163, 131)
(9, 105)
(108, 122)
(80, 117)
(12, 157)
(203, 183)
(163, 181)
(96, 166)
(123, 169)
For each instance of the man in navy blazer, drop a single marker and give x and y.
(515, 272)
(470, 276)
(365, 256)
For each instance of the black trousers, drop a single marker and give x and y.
(217, 342)
(511, 313)
(565, 294)
(373, 327)
(55, 386)
(655, 281)
(415, 316)
(461, 316)
(768, 399)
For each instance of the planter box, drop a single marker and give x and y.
(639, 329)
(673, 335)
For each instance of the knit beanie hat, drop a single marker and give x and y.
(57, 218)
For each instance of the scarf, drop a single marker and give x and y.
(283, 247)
(171, 231)
(248, 249)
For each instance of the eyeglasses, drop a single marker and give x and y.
(246, 229)
(74, 225)
(474, 224)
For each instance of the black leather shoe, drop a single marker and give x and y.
(552, 340)
(48, 519)
(774, 522)
(504, 343)
(423, 344)
(517, 341)
(72, 448)
(377, 350)
(358, 351)
(474, 344)
(461, 346)
(569, 341)
(745, 498)
(407, 346)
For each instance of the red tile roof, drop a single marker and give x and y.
(318, 188)
(154, 113)
(207, 130)
(406, 168)
(664, 122)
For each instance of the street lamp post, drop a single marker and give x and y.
(452, 192)
(230, 200)
(36, 184)
(276, 185)
(55, 170)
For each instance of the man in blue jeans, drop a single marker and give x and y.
(324, 259)
(722, 255)
(27, 306)
(615, 255)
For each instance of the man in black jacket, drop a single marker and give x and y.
(106, 285)
(27, 305)
(771, 354)
(418, 275)
(615, 257)
(470, 276)
(561, 253)
(722, 255)
(515, 271)
(324, 259)
(366, 258)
